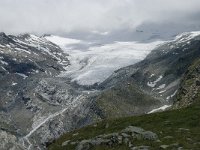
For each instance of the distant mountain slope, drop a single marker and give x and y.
(152, 82)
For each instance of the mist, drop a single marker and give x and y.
(96, 16)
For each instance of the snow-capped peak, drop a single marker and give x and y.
(186, 36)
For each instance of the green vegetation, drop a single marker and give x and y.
(183, 126)
(125, 100)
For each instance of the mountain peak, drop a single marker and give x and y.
(4, 39)
(2, 34)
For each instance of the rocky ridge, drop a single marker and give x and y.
(126, 136)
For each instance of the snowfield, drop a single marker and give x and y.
(92, 63)
(159, 109)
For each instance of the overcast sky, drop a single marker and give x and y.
(63, 16)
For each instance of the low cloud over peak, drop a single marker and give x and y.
(103, 16)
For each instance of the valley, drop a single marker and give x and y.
(99, 75)
(52, 85)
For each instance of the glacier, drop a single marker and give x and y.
(95, 62)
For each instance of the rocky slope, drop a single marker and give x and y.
(189, 91)
(28, 69)
(36, 105)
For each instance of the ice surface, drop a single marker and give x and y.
(97, 62)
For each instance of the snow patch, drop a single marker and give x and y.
(159, 109)
(152, 75)
(153, 84)
(3, 62)
(162, 91)
(161, 87)
(22, 75)
(14, 83)
(2, 46)
(3, 68)
(171, 95)
(23, 50)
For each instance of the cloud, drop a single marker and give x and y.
(63, 16)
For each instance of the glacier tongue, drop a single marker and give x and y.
(94, 63)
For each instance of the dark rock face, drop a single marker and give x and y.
(197, 83)
(189, 91)
(4, 39)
